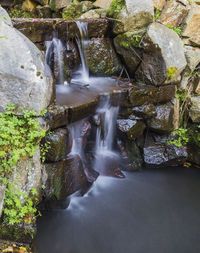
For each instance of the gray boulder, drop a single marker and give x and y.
(194, 111)
(23, 81)
(164, 49)
(135, 15)
(4, 17)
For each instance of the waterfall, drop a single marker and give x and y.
(55, 59)
(82, 43)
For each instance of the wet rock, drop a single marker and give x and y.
(131, 128)
(173, 14)
(43, 11)
(169, 56)
(4, 17)
(2, 195)
(146, 94)
(193, 59)
(65, 177)
(56, 5)
(56, 116)
(159, 4)
(191, 28)
(108, 164)
(157, 152)
(167, 117)
(59, 143)
(82, 110)
(102, 59)
(42, 2)
(130, 155)
(193, 154)
(22, 75)
(145, 111)
(7, 3)
(42, 29)
(135, 15)
(131, 55)
(194, 110)
(76, 9)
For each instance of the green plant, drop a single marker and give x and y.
(17, 13)
(115, 8)
(179, 137)
(156, 13)
(176, 29)
(171, 72)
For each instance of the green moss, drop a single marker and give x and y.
(76, 9)
(171, 72)
(176, 29)
(17, 13)
(129, 39)
(115, 8)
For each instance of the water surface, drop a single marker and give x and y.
(152, 211)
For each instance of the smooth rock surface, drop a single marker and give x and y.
(2, 195)
(22, 73)
(104, 4)
(194, 110)
(164, 40)
(4, 17)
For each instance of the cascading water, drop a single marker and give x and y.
(106, 159)
(55, 50)
(82, 42)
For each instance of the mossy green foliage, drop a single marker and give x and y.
(19, 137)
(181, 95)
(171, 72)
(129, 40)
(176, 29)
(156, 13)
(115, 8)
(18, 13)
(76, 9)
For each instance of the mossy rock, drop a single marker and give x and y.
(76, 9)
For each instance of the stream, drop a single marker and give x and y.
(154, 211)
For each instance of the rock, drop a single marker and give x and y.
(2, 195)
(57, 5)
(131, 156)
(167, 117)
(104, 4)
(27, 174)
(159, 4)
(28, 5)
(173, 14)
(146, 94)
(135, 15)
(43, 11)
(22, 75)
(157, 152)
(191, 28)
(4, 17)
(42, 30)
(97, 13)
(76, 9)
(193, 154)
(127, 45)
(167, 47)
(197, 88)
(7, 3)
(131, 128)
(193, 59)
(59, 143)
(194, 110)
(42, 2)
(145, 111)
(64, 178)
(102, 59)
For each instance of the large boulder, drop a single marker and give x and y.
(164, 58)
(191, 28)
(23, 81)
(102, 59)
(158, 152)
(104, 4)
(134, 15)
(167, 117)
(4, 17)
(76, 9)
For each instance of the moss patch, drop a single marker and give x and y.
(171, 72)
(115, 8)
